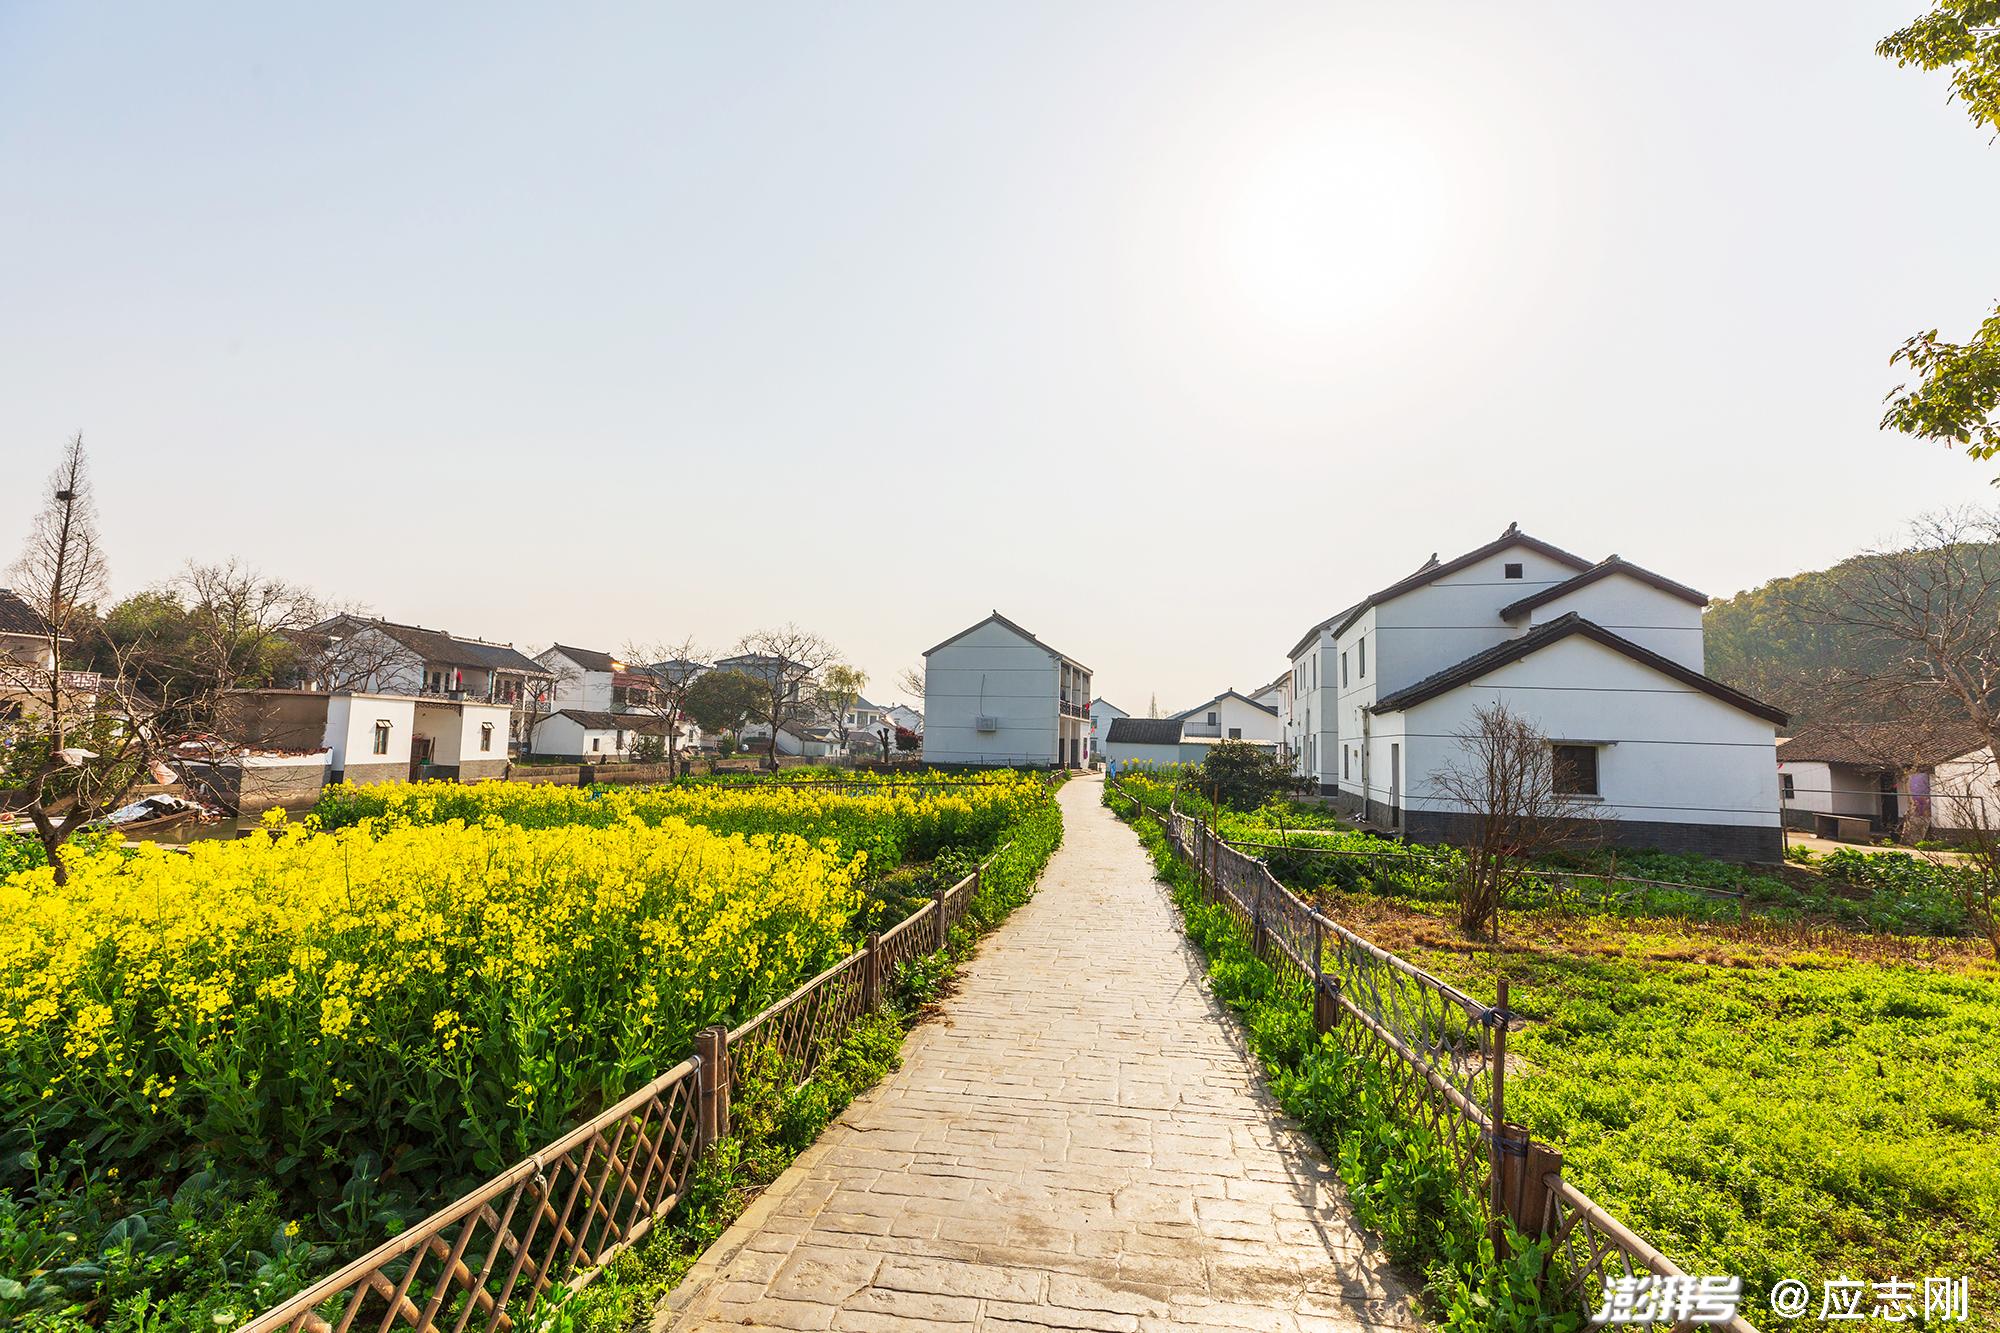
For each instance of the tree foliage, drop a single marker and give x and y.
(1956, 396)
(718, 701)
(1243, 776)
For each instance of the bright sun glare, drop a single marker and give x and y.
(1336, 231)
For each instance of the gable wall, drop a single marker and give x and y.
(1635, 610)
(1020, 683)
(1679, 756)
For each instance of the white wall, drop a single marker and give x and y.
(1018, 681)
(1812, 783)
(394, 669)
(1965, 792)
(350, 729)
(1676, 755)
(493, 715)
(1636, 610)
(589, 691)
(1123, 753)
(1312, 729)
(1102, 714)
(1441, 624)
(1254, 722)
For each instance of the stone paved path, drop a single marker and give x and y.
(1080, 1141)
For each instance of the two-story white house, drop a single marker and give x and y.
(1233, 717)
(27, 655)
(996, 694)
(367, 655)
(597, 681)
(1102, 714)
(1187, 737)
(1603, 657)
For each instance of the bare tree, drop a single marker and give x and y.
(910, 680)
(74, 743)
(788, 672)
(1518, 803)
(1934, 606)
(342, 653)
(244, 629)
(62, 576)
(1967, 802)
(675, 667)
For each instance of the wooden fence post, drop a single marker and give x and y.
(1531, 1202)
(944, 927)
(1496, 1213)
(712, 1084)
(871, 974)
(1257, 935)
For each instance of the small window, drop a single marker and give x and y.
(1785, 787)
(1236, 733)
(1513, 571)
(1576, 770)
(486, 736)
(1211, 719)
(1361, 666)
(1346, 768)
(596, 744)
(1343, 669)
(382, 737)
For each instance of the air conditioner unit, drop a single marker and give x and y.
(986, 724)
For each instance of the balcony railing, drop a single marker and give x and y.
(22, 676)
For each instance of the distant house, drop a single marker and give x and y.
(27, 657)
(864, 720)
(1893, 779)
(1603, 658)
(585, 735)
(995, 694)
(1143, 742)
(371, 736)
(366, 655)
(1102, 713)
(1189, 735)
(1233, 717)
(596, 681)
(906, 717)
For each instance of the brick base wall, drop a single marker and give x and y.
(363, 774)
(479, 770)
(261, 789)
(1725, 842)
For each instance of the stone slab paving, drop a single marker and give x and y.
(1079, 1141)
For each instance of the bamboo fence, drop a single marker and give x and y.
(486, 1260)
(1445, 1054)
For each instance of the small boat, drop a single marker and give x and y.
(148, 815)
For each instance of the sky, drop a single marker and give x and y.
(1164, 329)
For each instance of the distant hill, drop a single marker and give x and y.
(1760, 642)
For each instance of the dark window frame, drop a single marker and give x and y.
(1569, 772)
(1511, 570)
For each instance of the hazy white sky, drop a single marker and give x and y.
(1166, 329)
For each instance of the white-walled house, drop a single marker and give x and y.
(1143, 742)
(906, 717)
(1602, 657)
(1102, 714)
(597, 681)
(590, 736)
(1869, 780)
(1187, 736)
(1231, 716)
(375, 736)
(373, 656)
(995, 694)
